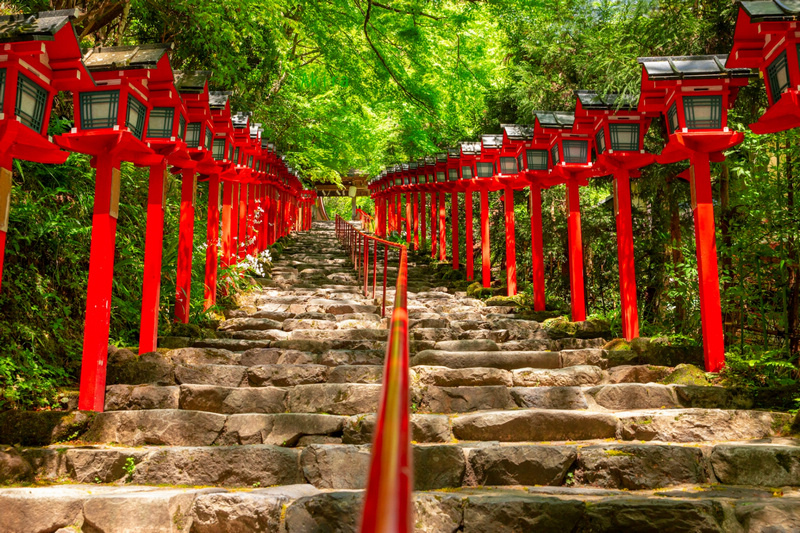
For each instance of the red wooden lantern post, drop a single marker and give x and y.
(453, 185)
(484, 172)
(570, 157)
(430, 186)
(694, 94)
(415, 185)
(40, 56)
(619, 129)
(165, 135)
(535, 165)
(193, 87)
(469, 154)
(767, 38)
(409, 170)
(110, 120)
(440, 187)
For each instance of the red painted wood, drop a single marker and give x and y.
(153, 253)
(423, 217)
(537, 248)
(251, 227)
(627, 272)
(578, 299)
(434, 220)
(212, 238)
(241, 241)
(227, 223)
(98, 294)
(707, 269)
(454, 229)
(185, 246)
(486, 261)
(415, 197)
(511, 243)
(409, 236)
(470, 243)
(442, 228)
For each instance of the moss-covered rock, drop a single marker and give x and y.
(477, 290)
(538, 316)
(41, 428)
(666, 352)
(796, 424)
(687, 375)
(150, 368)
(593, 328)
(173, 343)
(504, 301)
(615, 345)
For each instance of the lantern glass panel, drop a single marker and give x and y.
(2, 87)
(703, 112)
(182, 128)
(453, 174)
(624, 137)
(405, 181)
(209, 138)
(575, 151)
(466, 172)
(236, 155)
(554, 154)
(193, 135)
(137, 112)
(600, 141)
(440, 177)
(250, 161)
(31, 102)
(672, 118)
(99, 109)
(160, 124)
(485, 170)
(421, 178)
(430, 178)
(230, 151)
(537, 159)
(508, 165)
(219, 149)
(778, 76)
(398, 181)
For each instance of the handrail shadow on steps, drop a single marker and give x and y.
(387, 502)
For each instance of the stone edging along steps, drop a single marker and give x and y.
(515, 427)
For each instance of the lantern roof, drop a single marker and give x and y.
(688, 67)
(610, 101)
(192, 81)
(41, 26)
(255, 130)
(241, 120)
(492, 141)
(471, 148)
(145, 56)
(441, 157)
(412, 165)
(430, 160)
(764, 10)
(454, 153)
(555, 119)
(515, 132)
(404, 166)
(218, 99)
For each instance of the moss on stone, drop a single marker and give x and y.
(685, 374)
(504, 301)
(617, 345)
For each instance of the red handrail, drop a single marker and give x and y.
(387, 504)
(367, 220)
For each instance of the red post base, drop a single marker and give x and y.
(537, 248)
(578, 298)
(627, 272)
(469, 237)
(486, 266)
(98, 294)
(511, 243)
(707, 269)
(185, 246)
(153, 253)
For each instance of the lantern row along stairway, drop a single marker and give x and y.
(516, 426)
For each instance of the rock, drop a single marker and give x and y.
(546, 425)
(229, 400)
(303, 323)
(633, 396)
(424, 428)
(53, 508)
(521, 465)
(125, 397)
(429, 323)
(438, 467)
(284, 429)
(246, 324)
(637, 373)
(558, 328)
(560, 377)
(90, 465)
(549, 397)
(639, 466)
(583, 356)
(13, 467)
(653, 515)
(336, 466)
(156, 511)
(472, 345)
(237, 512)
(463, 399)
(757, 464)
(513, 513)
(223, 375)
(769, 516)
(356, 374)
(661, 351)
(435, 513)
(40, 428)
(335, 398)
(687, 375)
(519, 329)
(698, 425)
(286, 375)
(458, 377)
(504, 360)
(337, 512)
(247, 466)
(153, 368)
(204, 356)
(275, 356)
(164, 427)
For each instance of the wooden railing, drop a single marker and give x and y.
(387, 503)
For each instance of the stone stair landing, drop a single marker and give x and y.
(268, 426)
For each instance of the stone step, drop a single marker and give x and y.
(179, 427)
(632, 466)
(509, 360)
(303, 508)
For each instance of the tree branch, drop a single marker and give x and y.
(402, 12)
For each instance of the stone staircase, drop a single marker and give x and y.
(268, 426)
